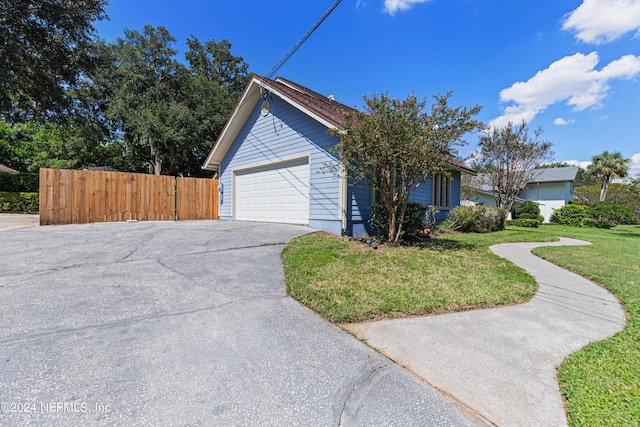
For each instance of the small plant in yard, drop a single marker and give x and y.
(430, 222)
(475, 219)
(412, 223)
(530, 210)
(571, 214)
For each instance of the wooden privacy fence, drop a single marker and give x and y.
(80, 197)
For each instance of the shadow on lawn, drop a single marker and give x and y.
(442, 244)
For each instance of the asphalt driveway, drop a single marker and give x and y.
(182, 323)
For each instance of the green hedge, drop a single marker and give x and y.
(19, 202)
(612, 213)
(19, 182)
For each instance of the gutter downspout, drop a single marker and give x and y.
(342, 199)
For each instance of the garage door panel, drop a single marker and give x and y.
(277, 193)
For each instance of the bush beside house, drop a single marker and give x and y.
(19, 192)
(19, 202)
(475, 219)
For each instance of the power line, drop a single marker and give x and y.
(304, 38)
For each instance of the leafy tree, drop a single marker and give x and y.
(607, 166)
(143, 89)
(169, 115)
(509, 156)
(396, 146)
(214, 82)
(29, 147)
(554, 165)
(44, 47)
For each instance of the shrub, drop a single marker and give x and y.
(19, 182)
(476, 219)
(571, 214)
(529, 210)
(525, 222)
(19, 202)
(413, 219)
(531, 216)
(599, 223)
(610, 213)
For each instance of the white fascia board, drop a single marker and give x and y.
(240, 114)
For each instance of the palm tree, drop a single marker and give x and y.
(606, 166)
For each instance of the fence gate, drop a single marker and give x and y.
(80, 197)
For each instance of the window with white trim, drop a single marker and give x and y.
(442, 191)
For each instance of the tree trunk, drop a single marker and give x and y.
(155, 157)
(605, 188)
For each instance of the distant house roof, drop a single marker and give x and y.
(323, 109)
(564, 174)
(4, 168)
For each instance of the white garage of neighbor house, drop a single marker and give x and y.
(275, 164)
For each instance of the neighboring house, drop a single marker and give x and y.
(550, 188)
(4, 168)
(274, 162)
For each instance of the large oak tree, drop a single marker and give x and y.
(45, 45)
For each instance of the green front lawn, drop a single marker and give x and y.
(601, 382)
(350, 282)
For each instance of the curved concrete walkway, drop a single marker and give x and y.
(502, 362)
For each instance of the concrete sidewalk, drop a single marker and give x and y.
(502, 362)
(9, 221)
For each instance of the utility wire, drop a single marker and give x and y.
(304, 38)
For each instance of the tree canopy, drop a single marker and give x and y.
(45, 45)
(509, 156)
(169, 114)
(130, 104)
(396, 146)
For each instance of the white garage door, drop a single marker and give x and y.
(275, 193)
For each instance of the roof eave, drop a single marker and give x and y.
(239, 116)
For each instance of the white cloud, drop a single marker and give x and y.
(634, 166)
(562, 122)
(602, 21)
(392, 6)
(572, 79)
(633, 171)
(583, 165)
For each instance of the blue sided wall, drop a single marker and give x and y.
(283, 134)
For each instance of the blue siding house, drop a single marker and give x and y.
(274, 162)
(549, 188)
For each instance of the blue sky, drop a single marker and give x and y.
(571, 67)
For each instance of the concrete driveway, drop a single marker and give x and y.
(183, 323)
